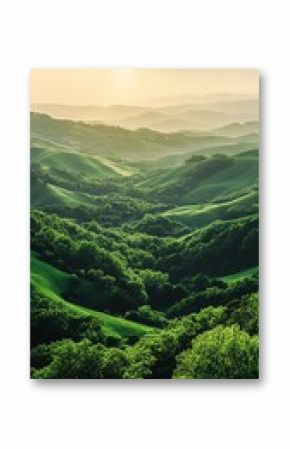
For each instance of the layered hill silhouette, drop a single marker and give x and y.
(136, 145)
(204, 115)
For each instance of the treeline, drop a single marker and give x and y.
(202, 345)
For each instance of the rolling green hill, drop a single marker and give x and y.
(115, 142)
(210, 180)
(242, 174)
(196, 216)
(64, 159)
(59, 167)
(242, 144)
(52, 283)
(43, 195)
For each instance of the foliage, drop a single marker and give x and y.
(214, 296)
(245, 312)
(146, 315)
(221, 353)
(50, 322)
(155, 357)
(72, 360)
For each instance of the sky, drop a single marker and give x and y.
(136, 86)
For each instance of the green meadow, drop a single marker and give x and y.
(52, 284)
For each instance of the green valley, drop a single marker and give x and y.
(144, 243)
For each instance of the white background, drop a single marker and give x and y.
(156, 414)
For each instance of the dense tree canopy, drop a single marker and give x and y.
(222, 353)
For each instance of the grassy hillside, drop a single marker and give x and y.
(43, 195)
(231, 278)
(203, 191)
(242, 144)
(240, 175)
(52, 284)
(196, 216)
(75, 162)
(207, 180)
(115, 142)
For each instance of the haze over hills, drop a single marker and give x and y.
(133, 145)
(170, 122)
(237, 129)
(217, 111)
(200, 99)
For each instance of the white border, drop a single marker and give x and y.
(156, 34)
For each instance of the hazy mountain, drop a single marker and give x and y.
(148, 119)
(237, 129)
(240, 107)
(141, 144)
(87, 113)
(188, 119)
(183, 116)
(200, 99)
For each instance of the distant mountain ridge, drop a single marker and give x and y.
(169, 118)
(132, 145)
(237, 129)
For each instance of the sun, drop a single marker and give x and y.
(124, 78)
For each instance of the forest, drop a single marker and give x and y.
(143, 267)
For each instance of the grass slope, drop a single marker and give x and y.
(75, 162)
(231, 278)
(242, 174)
(51, 195)
(196, 216)
(52, 283)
